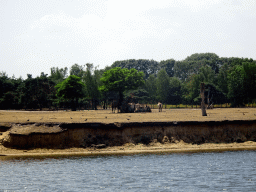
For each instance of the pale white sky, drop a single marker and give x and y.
(36, 35)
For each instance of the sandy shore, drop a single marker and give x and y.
(128, 149)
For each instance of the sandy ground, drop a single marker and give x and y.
(106, 116)
(127, 149)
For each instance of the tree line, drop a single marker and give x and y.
(227, 80)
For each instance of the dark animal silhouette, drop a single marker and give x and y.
(115, 104)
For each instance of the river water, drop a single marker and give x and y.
(226, 171)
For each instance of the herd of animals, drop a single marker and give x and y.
(126, 107)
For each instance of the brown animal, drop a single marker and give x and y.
(210, 106)
(160, 106)
(115, 104)
(142, 108)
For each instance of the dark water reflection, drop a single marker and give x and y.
(228, 171)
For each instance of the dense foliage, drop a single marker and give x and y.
(120, 80)
(227, 80)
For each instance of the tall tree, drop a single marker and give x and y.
(91, 82)
(206, 74)
(181, 70)
(151, 87)
(119, 80)
(148, 67)
(222, 79)
(168, 65)
(8, 94)
(36, 92)
(58, 75)
(175, 95)
(197, 60)
(70, 89)
(241, 83)
(163, 86)
(250, 80)
(77, 70)
(192, 85)
(236, 85)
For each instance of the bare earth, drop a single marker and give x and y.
(106, 116)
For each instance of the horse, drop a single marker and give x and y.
(160, 106)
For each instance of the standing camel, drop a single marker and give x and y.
(160, 106)
(115, 104)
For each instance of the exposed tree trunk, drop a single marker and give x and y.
(202, 103)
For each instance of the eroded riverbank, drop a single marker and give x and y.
(113, 136)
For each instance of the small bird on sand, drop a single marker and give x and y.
(85, 120)
(106, 117)
(71, 118)
(28, 120)
(128, 119)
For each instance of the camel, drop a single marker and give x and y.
(115, 104)
(143, 109)
(160, 106)
(132, 106)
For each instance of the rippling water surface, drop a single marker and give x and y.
(228, 171)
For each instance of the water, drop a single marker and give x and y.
(227, 171)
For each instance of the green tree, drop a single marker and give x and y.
(206, 74)
(175, 95)
(181, 70)
(36, 92)
(192, 84)
(222, 79)
(139, 95)
(92, 85)
(168, 65)
(236, 85)
(250, 80)
(119, 80)
(58, 75)
(77, 70)
(198, 60)
(191, 90)
(148, 67)
(241, 83)
(70, 89)
(8, 94)
(163, 86)
(151, 88)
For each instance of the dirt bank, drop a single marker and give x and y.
(79, 133)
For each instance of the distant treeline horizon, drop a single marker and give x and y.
(228, 80)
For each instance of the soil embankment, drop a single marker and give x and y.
(116, 133)
(67, 135)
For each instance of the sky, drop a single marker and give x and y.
(36, 35)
